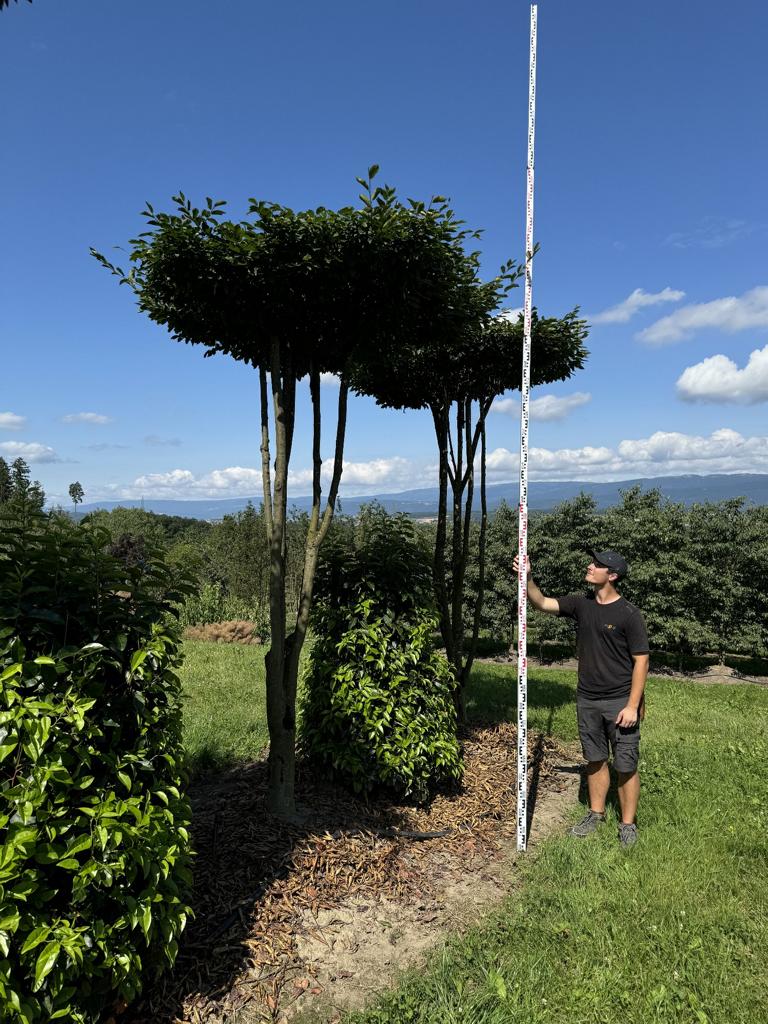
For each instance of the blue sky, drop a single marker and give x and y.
(651, 214)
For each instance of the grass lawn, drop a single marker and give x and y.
(674, 930)
(225, 718)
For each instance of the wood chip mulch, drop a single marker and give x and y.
(255, 877)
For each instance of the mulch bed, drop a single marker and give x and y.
(255, 877)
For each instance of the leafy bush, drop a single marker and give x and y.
(95, 850)
(210, 604)
(698, 573)
(378, 706)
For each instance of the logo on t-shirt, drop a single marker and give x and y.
(609, 625)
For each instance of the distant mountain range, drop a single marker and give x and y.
(542, 496)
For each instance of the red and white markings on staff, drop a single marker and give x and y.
(522, 580)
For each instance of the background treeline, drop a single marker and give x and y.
(699, 573)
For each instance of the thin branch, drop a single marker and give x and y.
(266, 469)
(457, 543)
(289, 386)
(481, 558)
(440, 420)
(469, 484)
(451, 452)
(338, 460)
(475, 439)
(317, 462)
(459, 438)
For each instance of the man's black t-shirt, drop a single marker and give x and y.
(608, 636)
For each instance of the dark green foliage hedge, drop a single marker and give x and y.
(699, 573)
(95, 855)
(378, 708)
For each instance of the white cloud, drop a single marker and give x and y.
(30, 451)
(661, 454)
(240, 481)
(161, 442)
(510, 315)
(157, 483)
(719, 379)
(11, 421)
(546, 464)
(730, 314)
(395, 472)
(329, 380)
(545, 409)
(85, 417)
(639, 299)
(712, 233)
(508, 406)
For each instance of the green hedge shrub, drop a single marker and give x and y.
(378, 702)
(95, 857)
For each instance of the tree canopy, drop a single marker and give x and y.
(296, 294)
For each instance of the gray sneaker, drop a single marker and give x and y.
(588, 824)
(627, 835)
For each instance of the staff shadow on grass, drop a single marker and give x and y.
(241, 852)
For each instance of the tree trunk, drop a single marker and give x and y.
(458, 561)
(450, 596)
(440, 419)
(467, 668)
(283, 658)
(281, 712)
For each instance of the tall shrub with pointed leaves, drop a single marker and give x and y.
(94, 847)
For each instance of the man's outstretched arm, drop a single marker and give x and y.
(535, 596)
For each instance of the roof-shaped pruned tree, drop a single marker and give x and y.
(455, 367)
(296, 294)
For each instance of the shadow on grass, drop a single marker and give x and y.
(208, 758)
(492, 696)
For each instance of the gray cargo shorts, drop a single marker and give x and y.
(598, 733)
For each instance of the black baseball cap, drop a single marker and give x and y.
(611, 560)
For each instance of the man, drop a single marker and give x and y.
(612, 648)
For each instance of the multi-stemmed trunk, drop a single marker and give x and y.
(282, 659)
(457, 460)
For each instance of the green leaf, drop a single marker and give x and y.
(7, 748)
(138, 658)
(35, 937)
(9, 919)
(45, 963)
(78, 845)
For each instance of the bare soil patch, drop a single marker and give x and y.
(324, 912)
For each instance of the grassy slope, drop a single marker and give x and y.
(675, 930)
(225, 720)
